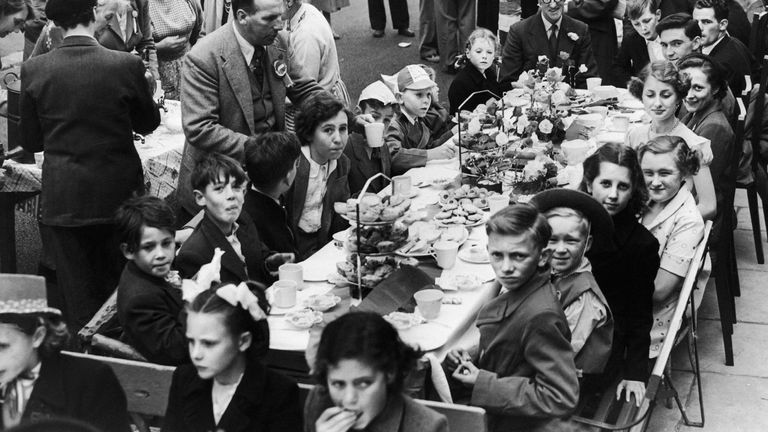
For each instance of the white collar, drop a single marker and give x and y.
(245, 47)
(408, 117)
(314, 167)
(548, 25)
(708, 49)
(671, 207)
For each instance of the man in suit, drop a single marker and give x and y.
(549, 33)
(90, 166)
(598, 16)
(234, 84)
(712, 16)
(641, 46)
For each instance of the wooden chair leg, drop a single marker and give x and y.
(755, 218)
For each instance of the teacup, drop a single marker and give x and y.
(445, 252)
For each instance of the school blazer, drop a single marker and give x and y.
(271, 221)
(264, 401)
(81, 389)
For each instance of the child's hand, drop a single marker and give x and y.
(274, 261)
(363, 119)
(445, 151)
(335, 419)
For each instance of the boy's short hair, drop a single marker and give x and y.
(136, 213)
(520, 219)
(210, 169)
(271, 156)
(372, 103)
(315, 110)
(680, 20)
(636, 8)
(570, 212)
(720, 7)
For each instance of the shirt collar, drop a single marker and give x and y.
(315, 167)
(548, 25)
(671, 207)
(408, 117)
(708, 49)
(245, 47)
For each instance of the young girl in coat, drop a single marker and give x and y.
(672, 217)
(227, 387)
(360, 367)
(479, 72)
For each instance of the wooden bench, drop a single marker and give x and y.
(616, 415)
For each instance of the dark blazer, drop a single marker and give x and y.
(527, 379)
(199, 247)
(469, 80)
(84, 123)
(408, 143)
(401, 414)
(598, 16)
(738, 23)
(150, 311)
(527, 40)
(362, 167)
(81, 389)
(626, 276)
(631, 59)
(736, 59)
(264, 401)
(217, 103)
(337, 191)
(271, 221)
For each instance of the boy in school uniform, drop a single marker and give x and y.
(219, 185)
(149, 307)
(408, 138)
(378, 102)
(271, 161)
(572, 214)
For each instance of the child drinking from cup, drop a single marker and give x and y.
(360, 368)
(477, 73)
(227, 387)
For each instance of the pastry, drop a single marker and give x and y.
(443, 215)
(475, 217)
(480, 202)
(369, 216)
(389, 214)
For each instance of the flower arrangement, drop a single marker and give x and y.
(536, 175)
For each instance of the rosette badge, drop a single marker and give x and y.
(281, 71)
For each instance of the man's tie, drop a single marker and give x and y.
(257, 66)
(553, 42)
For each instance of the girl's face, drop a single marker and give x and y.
(659, 99)
(329, 139)
(612, 187)
(359, 388)
(212, 348)
(701, 93)
(18, 351)
(662, 176)
(481, 54)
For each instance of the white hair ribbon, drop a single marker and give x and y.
(242, 296)
(207, 275)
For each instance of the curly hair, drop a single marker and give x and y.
(716, 74)
(316, 109)
(236, 319)
(139, 212)
(664, 71)
(56, 332)
(620, 155)
(370, 339)
(686, 159)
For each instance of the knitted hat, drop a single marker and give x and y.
(24, 294)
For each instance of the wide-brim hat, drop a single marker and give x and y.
(23, 294)
(599, 219)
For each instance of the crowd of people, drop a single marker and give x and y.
(587, 279)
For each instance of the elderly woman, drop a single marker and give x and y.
(36, 380)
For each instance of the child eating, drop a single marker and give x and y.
(148, 306)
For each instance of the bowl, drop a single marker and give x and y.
(322, 303)
(304, 318)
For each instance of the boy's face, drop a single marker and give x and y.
(415, 102)
(330, 138)
(381, 115)
(676, 44)
(223, 201)
(155, 252)
(515, 258)
(646, 24)
(711, 28)
(568, 243)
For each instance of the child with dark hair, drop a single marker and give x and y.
(219, 185)
(378, 102)
(227, 387)
(271, 161)
(360, 367)
(148, 306)
(322, 125)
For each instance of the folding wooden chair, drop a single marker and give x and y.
(95, 342)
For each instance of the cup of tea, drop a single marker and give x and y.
(445, 252)
(429, 302)
(593, 83)
(497, 202)
(282, 294)
(292, 271)
(401, 185)
(374, 134)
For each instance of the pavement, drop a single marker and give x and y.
(735, 397)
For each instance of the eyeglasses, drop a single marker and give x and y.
(546, 2)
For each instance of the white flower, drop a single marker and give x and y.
(574, 37)
(534, 170)
(522, 123)
(474, 126)
(546, 126)
(559, 98)
(502, 139)
(583, 68)
(543, 58)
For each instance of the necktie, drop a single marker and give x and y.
(553, 42)
(14, 396)
(257, 66)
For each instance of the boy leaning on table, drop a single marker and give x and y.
(408, 137)
(522, 371)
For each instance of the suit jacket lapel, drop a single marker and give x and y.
(276, 86)
(229, 260)
(236, 72)
(538, 38)
(198, 408)
(300, 185)
(564, 42)
(720, 46)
